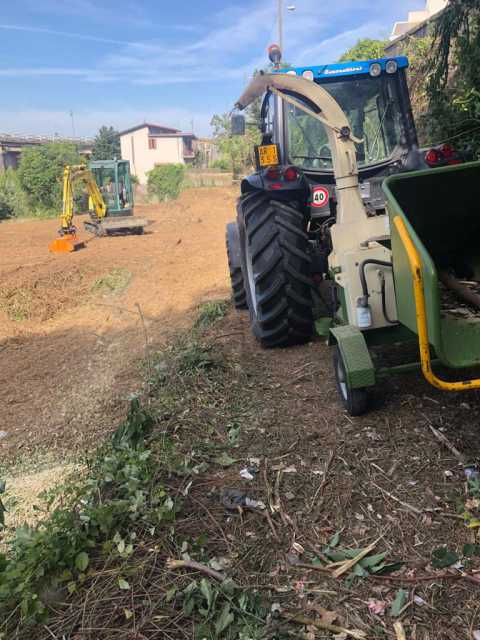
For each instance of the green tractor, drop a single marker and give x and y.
(311, 249)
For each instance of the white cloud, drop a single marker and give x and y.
(66, 34)
(87, 122)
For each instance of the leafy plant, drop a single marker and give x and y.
(365, 49)
(224, 610)
(454, 65)
(13, 200)
(237, 150)
(209, 312)
(40, 173)
(222, 164)
(165, 181)
(116, 491)
(106, 145)
(115, 281)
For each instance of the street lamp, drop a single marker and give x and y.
(290, 7)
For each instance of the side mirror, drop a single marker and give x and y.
(238, 124)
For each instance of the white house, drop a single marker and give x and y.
(148, 145)
(415, 18)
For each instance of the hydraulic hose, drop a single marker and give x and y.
(384, 303)
(363, 280)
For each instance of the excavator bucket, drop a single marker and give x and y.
(66, 244)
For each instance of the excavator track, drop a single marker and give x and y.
(115, 226)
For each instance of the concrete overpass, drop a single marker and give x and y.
(11, 145)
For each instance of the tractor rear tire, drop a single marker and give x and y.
(276, 270)
(235, 266)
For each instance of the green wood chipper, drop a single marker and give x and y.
(343, 226)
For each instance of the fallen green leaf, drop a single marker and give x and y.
(399, 602)
(383, 570)
(81, 561)
(470, 550)
(442, 558)
(372, 561)
(225, 460)
(334, 540)
(206, 591)
(224, 619)
(123, 584)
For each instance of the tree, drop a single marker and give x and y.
(41, 170)
(106, 145)
(365, 49)
(454, 76)
(238, 150)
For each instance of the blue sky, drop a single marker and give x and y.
(122, 62)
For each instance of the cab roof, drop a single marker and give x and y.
(351, 68)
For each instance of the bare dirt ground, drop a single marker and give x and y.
(69, 346)
(70, 353)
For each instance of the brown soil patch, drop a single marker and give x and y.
(23, 502)
(69, 355)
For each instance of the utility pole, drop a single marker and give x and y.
(280, 24)
(73, 124)
(290, 7)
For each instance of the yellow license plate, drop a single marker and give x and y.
(267, 155)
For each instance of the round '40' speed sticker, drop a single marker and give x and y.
(320, 197)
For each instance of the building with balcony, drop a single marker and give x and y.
(147, 145)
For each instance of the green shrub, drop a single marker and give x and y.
(165, 181)
(222, 164)
(40, 173)
(13, 201)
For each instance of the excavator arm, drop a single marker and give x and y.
(72, 175)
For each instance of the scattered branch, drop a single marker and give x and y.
(195, 566)
(410, 507)
(353, 633)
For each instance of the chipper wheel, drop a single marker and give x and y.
(355, 401)
(235, 266)
(276, 270)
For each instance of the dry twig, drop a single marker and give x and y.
(395, 499)
(346, 565)
(353, 633)
(196, 566)
(446, 442)
(323, 484)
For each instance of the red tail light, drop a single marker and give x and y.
(290, 174)
(273, 174)
(447, 151)
(434, 157)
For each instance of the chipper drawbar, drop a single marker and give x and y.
(110, 197)
(344, 230)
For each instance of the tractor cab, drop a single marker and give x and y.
(374, 96)
(113, 180)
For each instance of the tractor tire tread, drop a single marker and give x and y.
(274, 235)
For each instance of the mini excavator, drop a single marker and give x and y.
(110, 196)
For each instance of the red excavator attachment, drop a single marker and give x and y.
(66, 244)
